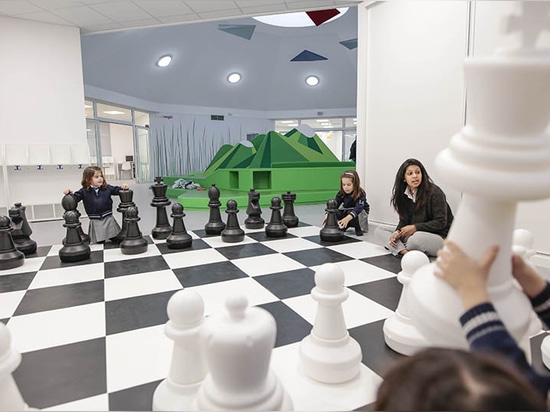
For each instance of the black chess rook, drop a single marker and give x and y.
(331, 232)
(162, 228)
(178, 238)
(215, 225)
(276, 227)
(254, 212)
(289, 217)
(10, 257)
(232, 232)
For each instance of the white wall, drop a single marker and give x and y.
(41, 102)
(411, 97)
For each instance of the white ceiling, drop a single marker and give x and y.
(122, 40)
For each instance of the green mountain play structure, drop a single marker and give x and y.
(272, 164)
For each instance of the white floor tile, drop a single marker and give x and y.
(193, 258)
(291, 245)
(68, 275)
(360, 250)
(29, 265)
(263, 265)
(111, 255)
(94, 403)
(137, 357)
(357, 272)
(216, 241)
(140, 284)
(9, 301)
(310, 395)
(358, 310)
(306, 230)
(57, 327)
(214, 295)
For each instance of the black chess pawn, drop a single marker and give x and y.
(10, 257)
(134, 242)
(276, 227)
(162, 228)
(215, 225)
(126, 197)
(21, 230)
(331, 232)
(179, 238)
(232, 232)
(289, 218)
(69, 203)
(254, 212)
(74, 248)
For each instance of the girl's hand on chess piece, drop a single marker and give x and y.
(464, 274)
(343, 223)
(124, 186)
(67, 191)
(530, 281)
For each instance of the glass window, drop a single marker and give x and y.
(351, 122)
(116, 113)
(324, 123)
(283, 126)
(141, 118)
(89, 109)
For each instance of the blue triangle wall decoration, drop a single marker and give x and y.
(307, 56)
(350, 44)
(241, 30)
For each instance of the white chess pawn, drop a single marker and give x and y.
(329, 354)
(400, 333)
(10, 397)
(178, 391)
(237, 346)
(522, 243)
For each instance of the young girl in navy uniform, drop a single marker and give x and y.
(353, 199)
(96, 194)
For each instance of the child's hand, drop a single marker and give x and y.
(67, 191)
(125, 187)
(528, 278)
(464, 274)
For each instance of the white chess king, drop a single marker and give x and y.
(501, 157)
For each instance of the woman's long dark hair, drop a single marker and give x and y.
(399, 198)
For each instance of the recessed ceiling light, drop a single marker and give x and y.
(234, 78)
(164, 61)
(312, 80)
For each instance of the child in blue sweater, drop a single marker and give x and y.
(96, 194)
(482, 325)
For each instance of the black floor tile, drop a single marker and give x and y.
(291, 327)
(286, 285)
(317, 256)
(210, 273)
(386, 292)
(135, 266)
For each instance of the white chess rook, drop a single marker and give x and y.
(178, 391)
(329, 354)
(237, 346)
(501, 157)
(400, 333)
(10, 397)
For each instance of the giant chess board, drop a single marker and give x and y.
(91, 333)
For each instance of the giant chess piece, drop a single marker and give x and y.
(126, 197)
(232, 232)
(237, 347)
(215, 225)
(10, 396)
(21, 230)
(331, 232)
(162, 228)
(254, 212)
(134, 242)
(276, 227)
(69, 203)
(501, 157)
(188, 368)
(400, 333)
(289, 218)
(329, 354)
(10, 257)
(74, 248)
(178, 238)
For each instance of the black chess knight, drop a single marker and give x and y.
(254, 212)
(10, 257)
(21, 230)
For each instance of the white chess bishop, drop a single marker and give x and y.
(499, 158)
(237, 346)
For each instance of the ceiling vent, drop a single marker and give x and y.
(216, 117)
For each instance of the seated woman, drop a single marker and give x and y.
(425, 217)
